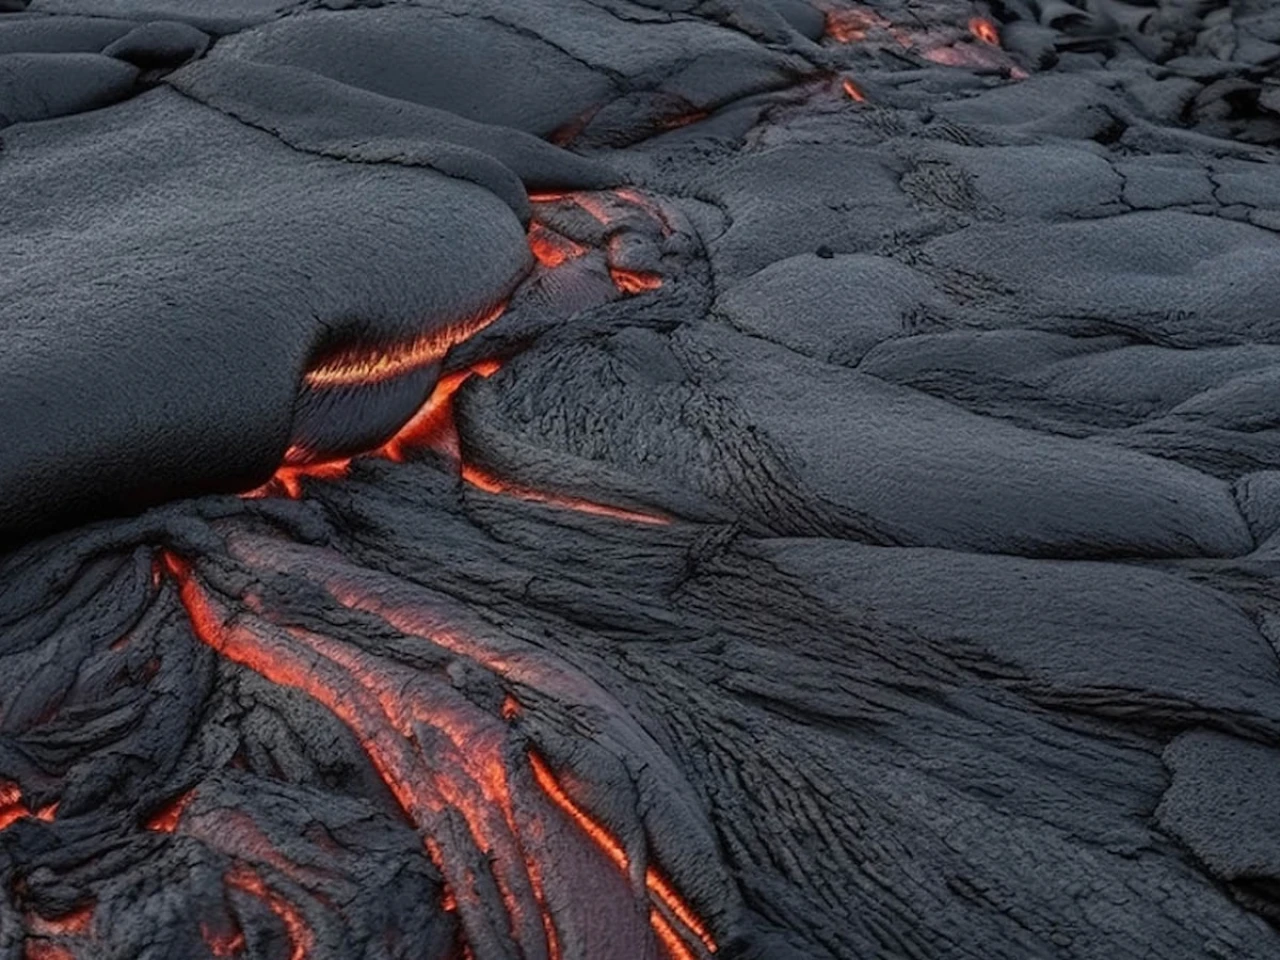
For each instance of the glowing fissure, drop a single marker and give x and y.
(433, 426)
(13, 809)
(853, 25)
(361, 367)
(473, 745)
(853, 91)
(602, 838)
(76, 923)
(465, 769)
(550, 248)
(301, 938)
(166, 821)
(631, 282)
(985, 31)
(634, 281)
(489, 483)
(386, 714)
(223, 944)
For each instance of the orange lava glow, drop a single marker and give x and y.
(465, 771)
(166, 821)
(287, 479)
(608, 844)
(985, 31)
(483, 480)
(676, 948)
(223, 944)
(432, 427)
(634, 281)
(550, 248)
(12, 808)
(352, 368)
(43, 950)
(301, 939)
(852, 90)
(76, 923)
(852, 25)
(385, 713)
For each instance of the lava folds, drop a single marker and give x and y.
(446, 761)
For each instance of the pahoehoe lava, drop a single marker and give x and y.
(639, 479)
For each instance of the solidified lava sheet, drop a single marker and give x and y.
(639, 479)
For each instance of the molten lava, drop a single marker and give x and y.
(852, 90)
(44, 950)
(550, 248)
(440, 755)
(601, 837)
(166, 821)
(634, 281)
(852, 25)
(433, 426)
(985, 31)
(365, 366)
(223, 944)
(13, 809)
(301, 939)
(489, 483)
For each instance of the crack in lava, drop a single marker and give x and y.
(442, 757)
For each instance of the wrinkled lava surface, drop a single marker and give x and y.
(639, 479)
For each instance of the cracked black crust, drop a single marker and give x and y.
(963, 640)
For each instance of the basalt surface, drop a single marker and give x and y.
(639, 479)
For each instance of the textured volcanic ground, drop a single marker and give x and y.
(639, 479)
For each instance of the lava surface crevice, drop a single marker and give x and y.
(639, 480)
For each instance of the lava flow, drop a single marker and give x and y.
(442, 757)
(433, 426)
(13, 809)
(851, 25)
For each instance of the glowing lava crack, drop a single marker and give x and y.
(432, 426)
(492, 812)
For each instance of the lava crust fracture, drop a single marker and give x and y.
(639, 479)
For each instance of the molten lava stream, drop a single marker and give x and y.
(462, 770)
(301, 938)
(440, 755)
(13, 809)
(658, 888)
(550, 248)
(850, 25)
(357, 367)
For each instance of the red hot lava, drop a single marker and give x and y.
(440, 755)
(984, 30)
(433, 426)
